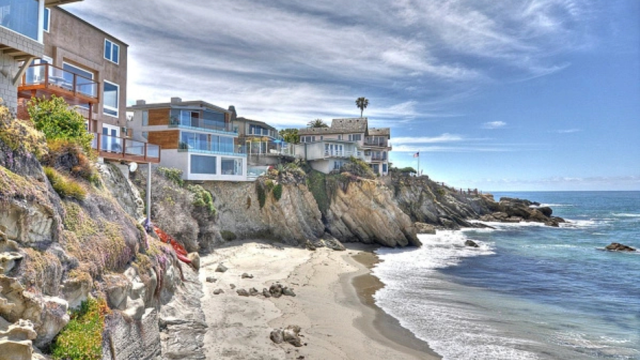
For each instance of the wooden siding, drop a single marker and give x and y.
(159, 117)
(166, 139)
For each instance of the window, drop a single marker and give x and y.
(384, 168)
(21, 16)
(355, 137)
(339, 137)
(203, 164)
(111, 93)
(47, 19)
(230, 166)
(65, 81)
(194, 141)
(145, 118)
(111, 51)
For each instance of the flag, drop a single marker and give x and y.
(416, 154)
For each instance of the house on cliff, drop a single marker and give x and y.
(87, 67)
(22, 32)
(195, 136)
(328, 148)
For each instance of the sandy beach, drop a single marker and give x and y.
(333, 305)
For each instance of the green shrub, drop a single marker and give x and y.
(81, 339)
(262, 195)
(171, 174)
(64, 186)
(202, 198)
(317, 184)
(69, 156)
(269, 184)
(57, 121)
(359, 168)
(228, 235)
(20, 135)
(277, 192)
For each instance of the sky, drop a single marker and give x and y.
(510, 95)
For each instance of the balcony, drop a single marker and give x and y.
(205, 147)
(202, 124)
(377, 143)
(264, 132)
(46, 80)
(117, 148)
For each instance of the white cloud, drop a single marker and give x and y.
(567, 131)
(494, 125)
(444, 138)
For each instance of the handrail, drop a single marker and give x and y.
(124, 148)
(50, 75)
(200, 123)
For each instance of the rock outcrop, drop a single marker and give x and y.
(517, 210)
(619, 247)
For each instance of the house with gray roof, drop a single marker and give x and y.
(327, 149)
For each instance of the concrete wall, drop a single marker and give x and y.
(182, 160)
(74, 41)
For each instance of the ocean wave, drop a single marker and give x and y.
(626, 215)
(581, 224)
(552, 205)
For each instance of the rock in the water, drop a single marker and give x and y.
(253, 292)
(291, 335)
(242, 292)
(266, 293)
(247, 276)
(471, 243)
(211, 279)
(221, 268)
(288, 292)
(619, 247)
(422, 228)
(275, 290)
(276, 336)
(218, 291)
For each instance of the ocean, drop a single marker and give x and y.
(529, 291)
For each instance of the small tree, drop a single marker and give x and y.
(290, 135)
(317, 123)
(57, 121)
(362, 104)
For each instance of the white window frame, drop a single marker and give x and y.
(110, 58)
(117, 109)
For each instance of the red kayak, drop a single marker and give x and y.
(181, 253)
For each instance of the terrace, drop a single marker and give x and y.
(46, 80)
(123, 149)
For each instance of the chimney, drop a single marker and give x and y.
(140, 102)
(232, 109)
(176, 100)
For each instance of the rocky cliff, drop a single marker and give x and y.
(56, 252)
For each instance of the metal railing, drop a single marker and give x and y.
(114, 147)
(201, 124)
(377, 143)
(49, 76)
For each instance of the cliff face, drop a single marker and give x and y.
(57, 252)
(307, 207)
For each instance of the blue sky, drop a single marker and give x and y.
(496, 95)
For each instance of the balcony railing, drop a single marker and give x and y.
(47, 76)
(211, 148)
(201, 124)
(117, 148)
(264, 132)
(376, 143)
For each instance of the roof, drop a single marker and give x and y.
(176, 104)
(243, 119)
(339, 126)
(380, 132)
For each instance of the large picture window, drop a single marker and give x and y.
(111, 51)
(203, 164)
(110, 94)
(230, 166)
(20, 16)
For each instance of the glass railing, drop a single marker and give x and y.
(205, 146)
(121, 148)
(201, 123)
(379, 143)
(51, 76)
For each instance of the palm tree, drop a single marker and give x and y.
(317, 123)
(362, 103)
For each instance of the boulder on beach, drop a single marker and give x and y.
(422, 228)
(619, 247)
(247, 276)
(275, 290)
(221, 268)
(242, 292)
(288, 292)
